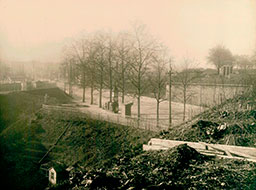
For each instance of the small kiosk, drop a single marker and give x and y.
(128, 109)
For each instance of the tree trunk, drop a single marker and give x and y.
(139, 88)
(70, 91)
(157, 112)
(123, 80)
(83, 93)
(83, 86)
(123, 86)
(111, 88)
(110, 77)
(138, 106)
(92, 89)
(122, 96)
(170, 97)
(100, 101)
(184, 105)
(101, 86)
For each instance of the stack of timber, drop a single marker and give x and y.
(224, 151)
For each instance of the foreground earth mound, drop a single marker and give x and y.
(181, 167)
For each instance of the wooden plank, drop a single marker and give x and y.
(153, 147)
(239, 151)
(158, 147)
(218, 149)
(205, 152)
(173, 143)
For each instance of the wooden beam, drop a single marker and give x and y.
(226, 151)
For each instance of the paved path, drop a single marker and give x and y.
(148, 107)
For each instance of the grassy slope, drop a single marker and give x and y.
(240, 125)
(14, 104)
(20, 150)
(92, 143)
(20, 145)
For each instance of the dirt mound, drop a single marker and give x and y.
(232, 123)
(150, 170)
(181, 167)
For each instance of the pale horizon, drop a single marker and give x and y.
(38, 30)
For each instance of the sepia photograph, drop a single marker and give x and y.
(128, 95)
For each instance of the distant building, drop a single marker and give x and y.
(226, 70)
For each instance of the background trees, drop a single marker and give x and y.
(185, 78)
(101, 64)
(80, 54)
(157, 77)
(142, 55)
(127, 61)
(219, 56)
(243, 62)
(123, 59)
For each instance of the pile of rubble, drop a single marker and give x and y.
(181, 167)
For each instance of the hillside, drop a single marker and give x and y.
(92, 144)
(20, 145)
(15, 104)
(232, 123)
(88, 141)
(109, 156)
(182, 167)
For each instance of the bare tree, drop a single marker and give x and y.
(185, 78)
(243, 62)
(123, 60)
(245, 65)
(91, 68)
(158, 79)
(170, 92)
(101, 63)
(80, 54)
(142, 52)
(68, 68)
(110, 59)
(70, 62)
(220, 56)
(85, 52)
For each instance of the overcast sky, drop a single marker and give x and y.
(37, 29)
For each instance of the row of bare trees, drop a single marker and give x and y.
(132, 62)
(127, 62)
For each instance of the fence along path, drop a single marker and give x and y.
(108, 116)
